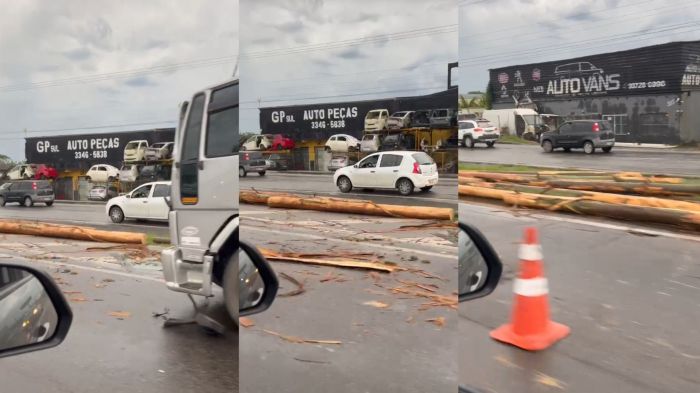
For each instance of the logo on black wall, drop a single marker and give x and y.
(536, 74)
(582, 78)
(503, 78)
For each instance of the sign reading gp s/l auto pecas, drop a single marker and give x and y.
(89, 149)
(318, 118)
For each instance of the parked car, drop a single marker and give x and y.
(128, 173)
(102, 173)
(376, 119)
(159, 151)
(252, 161)
(27, 192)
(338, 162)
(135, 151)
(586, 134)
(22, 171)
(154, 173)
(43, 172)
(370, 143)
(400, 120)
(257, 142)
(398, 142)
(421, 118)
(277, 162)
(472, 132)
(403, 170)
(443, 118)
(342, 143)
(281, 142)
(145, 202)
(102, 193)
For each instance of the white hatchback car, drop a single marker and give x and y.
(342, 143)
(147, 202)
(102, 173)
(403, 170)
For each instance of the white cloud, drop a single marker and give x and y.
(413, 65)
(509, 32)
(49, 41)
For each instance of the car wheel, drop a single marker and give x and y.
(241, 172)
(607, 149)
(49, 203)
(28, 202)
(426, 188)
(244, 148)
(110, 179)
(490, 144)
(42, 177)
(344, 184)
(470, 142)
(567, 149)
(2, 201)
(261, 173)
(327, 149)
(116, 214)
(279, 147)
(230, 287)
(404, 186)
(547, 146)
(89, 179)
(588, 147)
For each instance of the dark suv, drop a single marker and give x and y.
(586, 134)
(27, 192)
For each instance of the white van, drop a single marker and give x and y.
(135, 151)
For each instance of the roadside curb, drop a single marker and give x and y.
(71, 202)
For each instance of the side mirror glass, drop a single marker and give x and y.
(479, 265)
(257, 282)
(127, 195)
(168, 202)
(35, 315)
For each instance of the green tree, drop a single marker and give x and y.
(488, 97)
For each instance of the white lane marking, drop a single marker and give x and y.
(530, 287)
(683, 284)
(451, 254)
(616, 227)
(96, 269)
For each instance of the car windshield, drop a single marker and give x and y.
(131, 145)
(5, 186)
(399, 114)
(484, 123)
(373, 114)
(159, 145)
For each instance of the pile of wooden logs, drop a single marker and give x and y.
(22, 227)
(625, 196)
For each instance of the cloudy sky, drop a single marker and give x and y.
(499, 33)
(310, 51)
(67, 64)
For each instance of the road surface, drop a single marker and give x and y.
(103, 353)
(631, 301)
(388, 343)
(620, 159)
(444, 194)
(82, 214)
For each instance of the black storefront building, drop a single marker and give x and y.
(649, 94)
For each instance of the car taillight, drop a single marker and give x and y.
(416, 168)
(246, 156)
(596, 127)
(478, 129)
(33, 186)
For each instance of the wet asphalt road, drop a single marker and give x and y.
(444, 194)
(93, 215)
(620, 159)
(136, 354)
(390, 349)
(630, 300)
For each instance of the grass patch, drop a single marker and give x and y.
(153, 240)
(515, 140)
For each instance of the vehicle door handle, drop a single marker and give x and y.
(144, 201)
(396, 170)
(200, 165)
(371, 171)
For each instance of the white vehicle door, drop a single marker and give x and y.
(157, 206)
(136, 206)
(364, 174)
(341, 144)
(388, 170)
(331, 143)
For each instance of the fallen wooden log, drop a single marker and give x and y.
(328, 260)
(33, 228)
(255, 197)
(622, 187)
(360, 207)
(498, 177)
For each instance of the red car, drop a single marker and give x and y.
(281, 142)
(42, 171)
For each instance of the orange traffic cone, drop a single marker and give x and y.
(531, 328)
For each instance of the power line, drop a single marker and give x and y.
(90, 127)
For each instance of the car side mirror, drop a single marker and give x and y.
(168, 202)
(128, 195)
(355, 166)
(257, 282)
(479, 266)
(35, 314)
